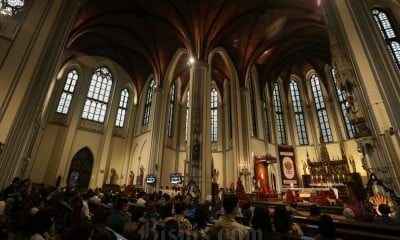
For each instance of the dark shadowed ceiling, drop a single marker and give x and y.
(279, 37)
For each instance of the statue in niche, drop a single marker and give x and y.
(141, 175)
(113, 176)
(239, 188)
(215, 175)
(356, 116)
(131, 177)
(196, 145)
(196, 151)
(353, 165)
(305, 167)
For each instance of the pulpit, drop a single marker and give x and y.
(261, 174)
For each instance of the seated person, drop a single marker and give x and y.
(226, 226)
(383, 216)
(117, 220)
(326, 228)
(283, 222)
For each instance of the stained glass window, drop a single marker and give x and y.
(170, 127)
(214, 115)
(321, 109)
(147, 105)
(298, 113)
(122, 107)
(67, 92)
(279, 115)
(384, 20)
(98, 95)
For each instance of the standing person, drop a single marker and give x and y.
(226, 227)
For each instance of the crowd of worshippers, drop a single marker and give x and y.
(36, 212)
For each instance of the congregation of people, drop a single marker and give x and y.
(37, 212)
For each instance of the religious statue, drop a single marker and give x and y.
(131, 177)
(141, 175)
(215, 175)
(305, 167)
(239, 188)
(353, 164)
(113, 176)
(196, 151)
(356, 116)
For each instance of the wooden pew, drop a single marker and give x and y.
(354, 230)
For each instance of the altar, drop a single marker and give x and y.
(327, 173)
(308, 192)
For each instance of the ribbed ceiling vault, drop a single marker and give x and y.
(279, 37)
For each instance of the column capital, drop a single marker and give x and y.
(199, 63)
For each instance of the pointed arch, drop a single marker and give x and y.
(80, 170)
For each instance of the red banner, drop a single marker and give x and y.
(287, 162)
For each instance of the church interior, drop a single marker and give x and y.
(274, 95)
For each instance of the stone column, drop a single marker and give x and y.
(157, 136)
(26, 77)
(364, 65)
(199, 138)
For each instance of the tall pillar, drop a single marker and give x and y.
(245, 163)
(199, 136)
(157, 138)
(363, 66)
(26, 75)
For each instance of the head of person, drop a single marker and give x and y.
(282, 219)
(229, 203)
(121, 204)
(384, 209)
(314, 210)
(165, 211)
(261, 219)
(200, 216)
(180, 208)
(348, 213)
(137, 213)
(326, 226)
(168, 230)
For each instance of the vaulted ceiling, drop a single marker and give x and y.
(278, 37)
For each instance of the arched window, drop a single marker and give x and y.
(385, 23)
(253, 106)
(98, 95)
(279, 115)
(187, 115)
(147, 105)
(298, 113)
(172, 93)
(321, 108)
(68, 92)
(214, 115)
(11, 7)
(343, 105)
(122, 107)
